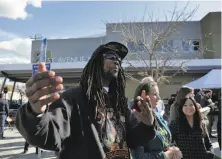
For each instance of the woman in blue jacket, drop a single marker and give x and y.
(161, 146)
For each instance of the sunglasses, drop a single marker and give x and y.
(112, 57)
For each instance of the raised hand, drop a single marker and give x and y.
(41, 89)
(169, 154)
(146, 114)
(177, 154)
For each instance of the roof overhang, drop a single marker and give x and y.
(71, 72)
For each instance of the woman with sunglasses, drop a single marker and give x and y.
(190, 133)
(161, 146)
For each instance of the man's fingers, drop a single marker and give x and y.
(41, 89)
(42, 109)
(142, 104)
(175, 156)
(146, 105)
(43, 83)
(143, 94)
(138, 98)
(177, 149)
(40, 85)
(147, 98)
(39, 106)
(177, 152)
(42, 67)
(137, 115)
(39, 76)
(45, 91)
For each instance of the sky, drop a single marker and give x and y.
(21, 19)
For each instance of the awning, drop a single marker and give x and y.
(71, 72)
(211, 80)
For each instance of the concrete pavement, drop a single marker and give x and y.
(12, 148)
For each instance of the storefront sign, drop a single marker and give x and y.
(69, 59)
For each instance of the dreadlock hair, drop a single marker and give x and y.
(91, 82)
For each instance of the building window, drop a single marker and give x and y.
(168, 46)
(165, 47)
(186, 46)
(135, 47)
(195, 45)
(131, 46)
(191, 45)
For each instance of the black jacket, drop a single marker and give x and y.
(198, 97)
(191, 142)
(219, 107)
(66, 127)
(4, 108)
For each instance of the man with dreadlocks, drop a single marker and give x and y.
(91, 121)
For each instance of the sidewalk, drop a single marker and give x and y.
(12, 147)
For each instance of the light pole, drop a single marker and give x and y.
(36, 37)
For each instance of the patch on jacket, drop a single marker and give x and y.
(118, 154)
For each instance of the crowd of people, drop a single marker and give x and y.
(95, 120)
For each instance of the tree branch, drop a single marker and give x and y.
(147, 37)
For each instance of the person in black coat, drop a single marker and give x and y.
(90, 121)
(199, 95)
(4, 112)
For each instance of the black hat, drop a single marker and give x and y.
(117, 47)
